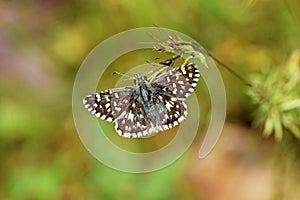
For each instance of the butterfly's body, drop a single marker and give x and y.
(143, 91)
(150, 106)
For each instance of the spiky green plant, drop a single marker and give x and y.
(276, 93)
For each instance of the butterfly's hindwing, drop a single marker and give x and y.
(175, 111)
(139, 120)
(133, 121)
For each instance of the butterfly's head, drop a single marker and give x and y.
(140, 79)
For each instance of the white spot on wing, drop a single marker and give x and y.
(180, 119)
(109, 119)
(139, 134)
(127, 135)
(168, 105)
(194, 84)
(130, 116)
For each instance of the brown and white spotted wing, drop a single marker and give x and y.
(178, 82)
(133, 122)
(108, 104)
(144, 120)
(171, 111)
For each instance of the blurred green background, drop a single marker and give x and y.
(42, 46)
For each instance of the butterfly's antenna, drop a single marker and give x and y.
(228, 69)
(126, 75)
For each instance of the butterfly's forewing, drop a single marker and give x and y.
(178, 82)
(109, 104)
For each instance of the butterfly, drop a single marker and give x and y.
(151, 106)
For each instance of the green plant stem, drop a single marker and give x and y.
(229, 69)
